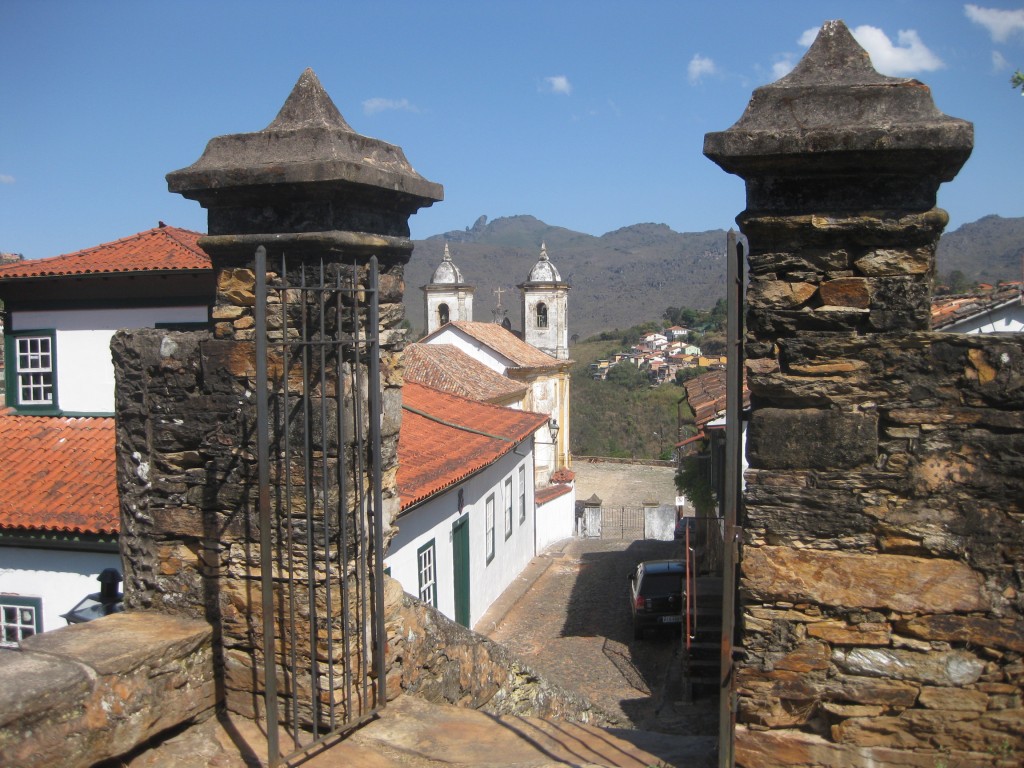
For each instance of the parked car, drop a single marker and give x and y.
(656, 595)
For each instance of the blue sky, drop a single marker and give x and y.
(589, 115)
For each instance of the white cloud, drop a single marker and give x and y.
(6, 178)
(698, 67)
(808, 37)
(557, 84)
(784, 65)
(999, 62)
(378, 104)
(1001, 25)
(908, 56)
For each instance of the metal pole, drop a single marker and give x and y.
(733, 499)
(266, 540)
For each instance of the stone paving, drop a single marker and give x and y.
(569, 618)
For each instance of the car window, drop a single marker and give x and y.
(661, 584)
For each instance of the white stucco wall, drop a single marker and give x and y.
(475, 349)
(60, 577)
(434, 519)
(85, 374)
(556, 520)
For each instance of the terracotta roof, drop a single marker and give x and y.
(948, 310)
(59, 474)
(544, 495)
(449, 369)
(706, 396)
(445, 439)
(505, 343)
(160, 249)
(563, 475)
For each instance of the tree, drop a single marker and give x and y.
(1017, 81)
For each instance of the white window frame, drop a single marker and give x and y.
(20, 617)
(522, 494)
(426, 568)
(489, 528)
(508, 506)
(35, 370)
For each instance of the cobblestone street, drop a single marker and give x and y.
(574, 624)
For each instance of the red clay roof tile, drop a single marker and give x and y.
(160, 249)
(445, 438)
(544, 495)
(59, 474)
(449, 369)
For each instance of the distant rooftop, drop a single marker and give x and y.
(161, 249)
(949, 310)
(504, 342)
(449, 369)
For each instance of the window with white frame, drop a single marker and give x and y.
(32, 385)
(426, 562)
(508, 506)
(522, 495)
(20, 617)
(489, 527)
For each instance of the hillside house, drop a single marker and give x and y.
(59, 514)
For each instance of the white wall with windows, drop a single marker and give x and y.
(80, 369)
(54, 579)
(499, 502)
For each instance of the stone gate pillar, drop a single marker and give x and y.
(309, 187)
(880, 566)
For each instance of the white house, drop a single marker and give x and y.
(998, 310)
(59, 515)
(467, 525)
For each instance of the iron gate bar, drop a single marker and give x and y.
(263, 479)
(733, 496)
(315, 342)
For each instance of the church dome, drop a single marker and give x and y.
(447, 273)
(544, 271)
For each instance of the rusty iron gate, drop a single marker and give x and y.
(320, 499)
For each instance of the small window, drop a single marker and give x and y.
(542, 315)
(522, 495)
(426, 558)
(442, 314)
(20, 617)
(508, 507)
(32, 385)
(489, 527)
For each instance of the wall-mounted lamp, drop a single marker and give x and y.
(553, 429)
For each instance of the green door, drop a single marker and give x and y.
(460, 556)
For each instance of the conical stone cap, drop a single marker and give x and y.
(308, 143)
(835, 117)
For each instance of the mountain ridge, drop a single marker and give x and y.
(631, 274)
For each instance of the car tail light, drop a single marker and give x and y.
(640, 603)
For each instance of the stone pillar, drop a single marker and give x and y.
(880, 569)
(309, 187)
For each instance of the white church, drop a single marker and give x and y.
(538, 358)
